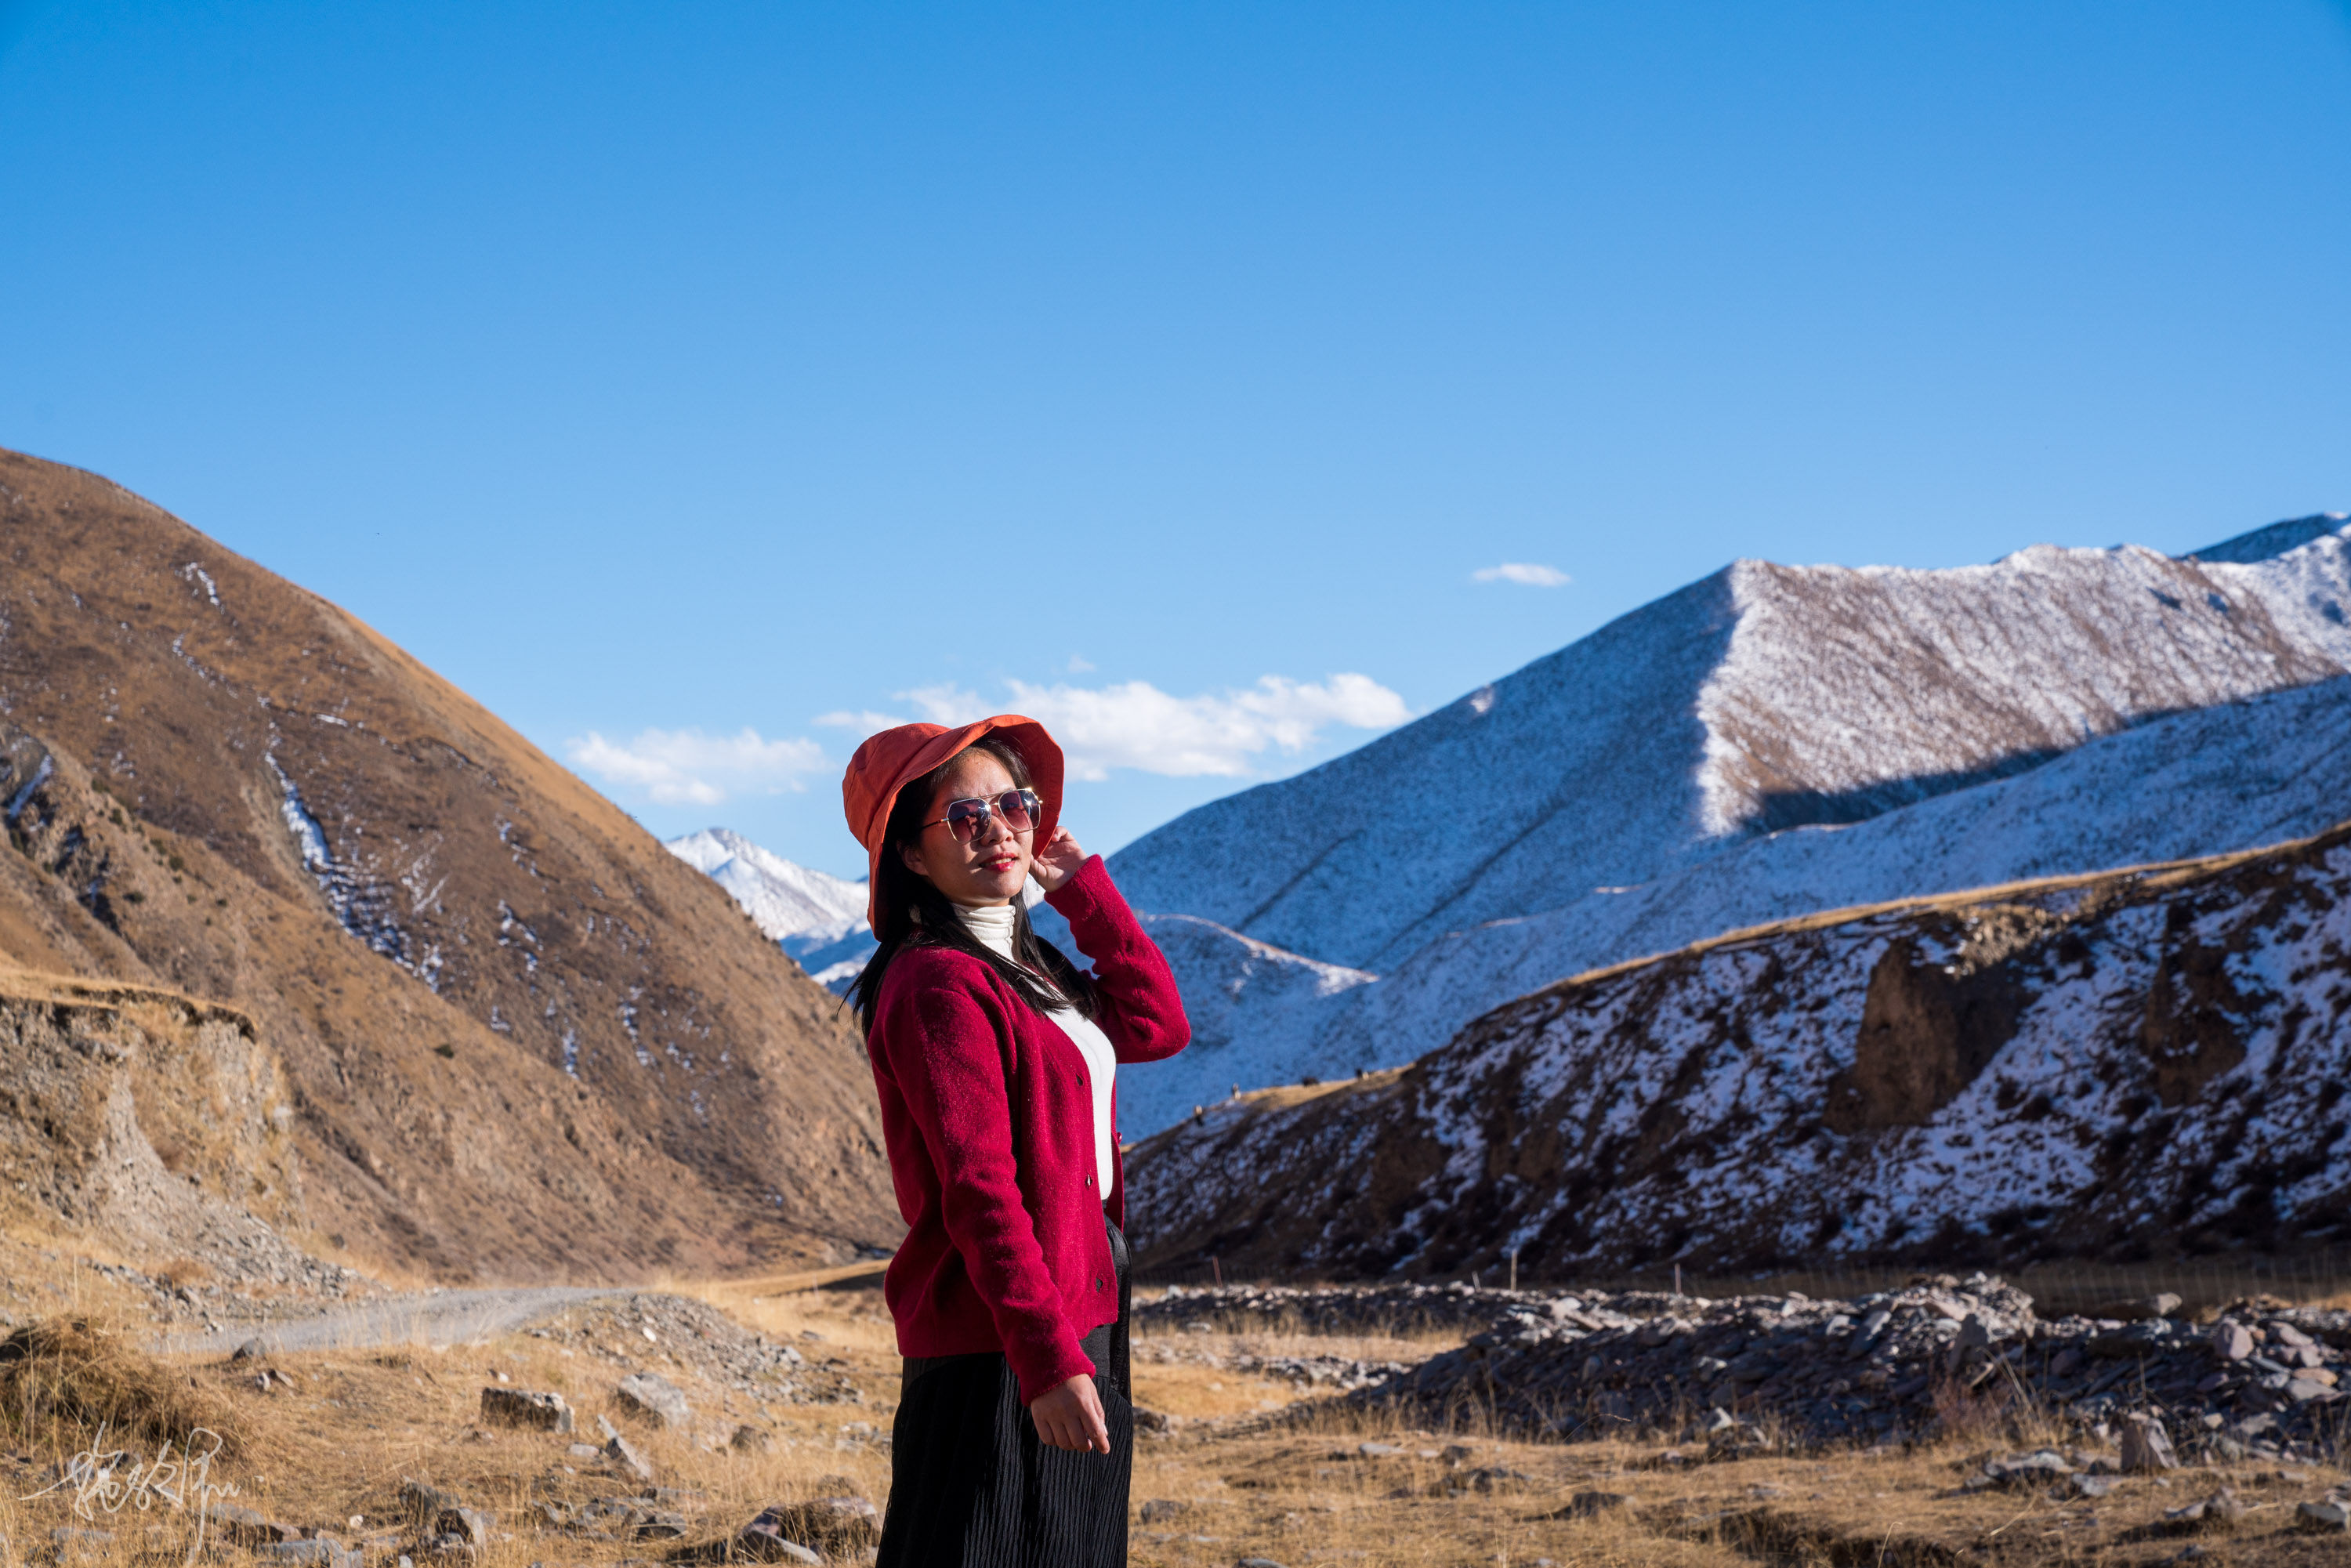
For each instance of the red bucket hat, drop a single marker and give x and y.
(894, 759)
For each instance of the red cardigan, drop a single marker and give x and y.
(990, 1129)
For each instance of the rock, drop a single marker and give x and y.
(608, 1517)
(2302, 1390)
(1588, 1504)
(765, 1540)
(1257, 1562)
(314, 1554)
(2146, 1447)
(82, 1545)
(250, 1349)
(1162, 1508)
(1379, 1451)
(1147, 1420)
(2285, 1333)
(421, 1501)
(548, 1515)
(2221, 1511)
(841, 1527)
(654, 1398)
(835, 1524)
(584, 1451)
(622, 1455)
(2231, 1341)
(2128, 1343)
(515, 1407)
(472, 1525)
(2092, 1486)
(2330, 1517)
(663, 1526)
(2040, 1467)
(751, 1440)
(241, 1526)
(604, 1428)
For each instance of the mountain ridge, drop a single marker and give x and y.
(1848, 650)
(523, 1040)
(2143, 1062)
(1759, 700)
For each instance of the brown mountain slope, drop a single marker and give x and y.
(2143, 1062)
(523, 1040)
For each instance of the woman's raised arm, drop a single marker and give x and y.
(1135, 992)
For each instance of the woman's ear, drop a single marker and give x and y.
(911, 857)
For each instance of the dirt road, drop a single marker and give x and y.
(428, 1317)
(458, 1317)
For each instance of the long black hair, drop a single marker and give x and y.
(916, 913)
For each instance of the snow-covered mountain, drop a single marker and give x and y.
(818, 919)
(1767, 741)
(2124, 1065)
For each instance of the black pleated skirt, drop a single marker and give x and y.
(971, 1486)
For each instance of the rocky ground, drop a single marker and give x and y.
(1380, 1424)
(2258, 1380)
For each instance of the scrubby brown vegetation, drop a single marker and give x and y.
(69, 1379)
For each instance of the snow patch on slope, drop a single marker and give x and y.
(362, 903)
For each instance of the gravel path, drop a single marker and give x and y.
(429, 1317)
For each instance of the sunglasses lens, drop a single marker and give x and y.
(965, 817)
(1019, 808)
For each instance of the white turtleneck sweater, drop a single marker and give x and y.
(992, 924)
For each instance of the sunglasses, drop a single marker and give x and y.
(967, 819)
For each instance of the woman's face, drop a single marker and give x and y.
(992, 867)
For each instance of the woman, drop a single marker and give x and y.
(994, 1056)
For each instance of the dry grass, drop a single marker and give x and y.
(847, 1318)
(66, 1380)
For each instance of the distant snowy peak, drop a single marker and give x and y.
(792, 904)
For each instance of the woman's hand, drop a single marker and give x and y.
(1057, 860)
(1070, 1416)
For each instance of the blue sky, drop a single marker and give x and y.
(661, 373)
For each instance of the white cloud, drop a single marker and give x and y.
(1523, 572)
(685, 767)
(865, 721)
(1136, 725)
